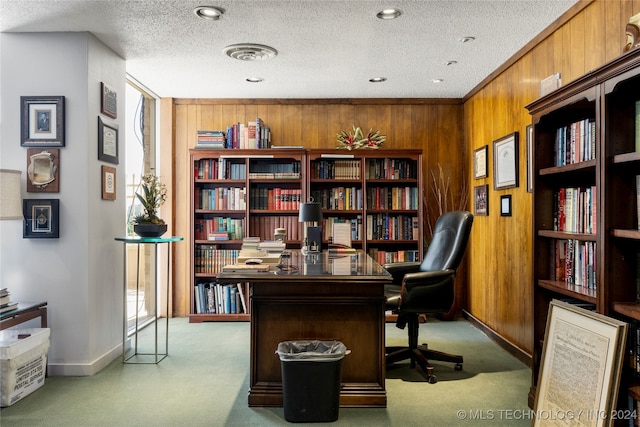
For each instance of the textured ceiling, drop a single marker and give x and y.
(326, 49)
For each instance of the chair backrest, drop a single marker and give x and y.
(450, 237)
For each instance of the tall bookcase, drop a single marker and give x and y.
(378, 191)
(250, 192)
(237, 194)
(586, 237)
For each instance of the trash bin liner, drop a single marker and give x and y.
(311, 378)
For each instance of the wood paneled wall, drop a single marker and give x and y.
(499, 266)
(500, 270)
(436, 126)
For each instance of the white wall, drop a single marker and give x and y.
(79, 274)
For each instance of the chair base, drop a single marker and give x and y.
(421, 356)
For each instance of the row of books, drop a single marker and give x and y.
(384, 257)
(355, 226)
(384, 226)
(220, 228)
(393, 198)
(335, 169)
(220, 299)
(275, 198)
(254, 134)
(5, 301)
(576, 142)
(574, 262)
(575, 210)
(219, 169)
(391, 169)
(230, 198)
(339, 198)
(264, 226)
(209, 259)
(260, 169)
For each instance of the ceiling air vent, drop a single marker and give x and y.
(250, 52)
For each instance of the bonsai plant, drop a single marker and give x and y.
(154, 194)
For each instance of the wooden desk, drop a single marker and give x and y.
(322, 298)
(24, 312)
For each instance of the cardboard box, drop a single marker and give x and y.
(23, 362)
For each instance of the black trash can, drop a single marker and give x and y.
(311, 377)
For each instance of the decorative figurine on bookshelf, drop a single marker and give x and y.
(357, 139)
(632, 31)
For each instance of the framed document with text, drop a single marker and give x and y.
(581, 363)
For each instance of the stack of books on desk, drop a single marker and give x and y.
(273, 246)
(5, 301)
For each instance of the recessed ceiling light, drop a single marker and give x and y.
(467, 39)
(437, 80)
(255, 79)
(389, 14)
(377, 79)
(210, 13)
(447, 63)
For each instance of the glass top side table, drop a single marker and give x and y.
(159, 354)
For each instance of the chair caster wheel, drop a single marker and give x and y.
(458, 367)
(432, 379)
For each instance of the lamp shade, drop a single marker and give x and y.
(10, 198)
(310, 212)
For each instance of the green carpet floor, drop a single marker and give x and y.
(205, 379)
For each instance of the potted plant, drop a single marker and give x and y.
(154, 194)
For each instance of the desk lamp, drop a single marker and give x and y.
(311, 215)
(10, 197)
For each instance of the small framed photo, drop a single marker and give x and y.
(505, 205)
(505, 162)
(108, 101)
(480, 162)
(108, 183)
(41, 218)
(107, 142)
(481, 200)
(529, 159)
(43, 170)
(42, 121)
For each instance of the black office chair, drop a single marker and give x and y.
(428, 288)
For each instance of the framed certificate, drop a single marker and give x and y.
(107, 142)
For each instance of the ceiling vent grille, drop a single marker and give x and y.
(250, 52)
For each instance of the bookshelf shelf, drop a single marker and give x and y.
(606, 103)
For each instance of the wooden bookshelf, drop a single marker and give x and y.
(605, 97)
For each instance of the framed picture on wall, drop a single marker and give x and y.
(505, 205)
(42, 121)
(108, 101)
(108, 183)
(43, 170)
(107, 142)
(505, 162)
(481, 200)
(41, 218)
(480, 169)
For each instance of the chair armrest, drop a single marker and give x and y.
(427, 278)
(399, 269)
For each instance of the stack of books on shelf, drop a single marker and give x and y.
(211, 139)
(5, 301)
(209, 259)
